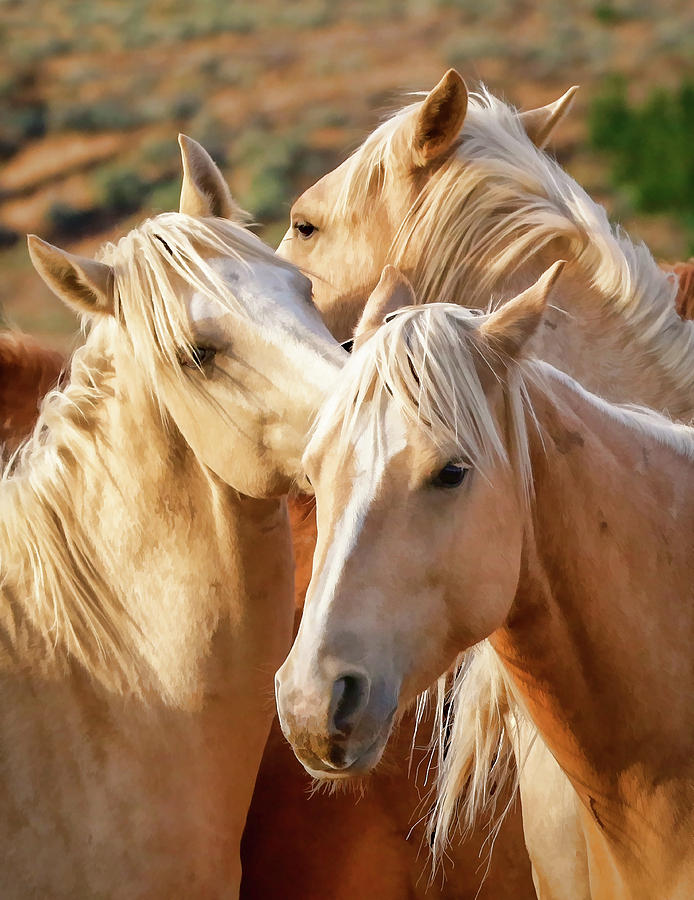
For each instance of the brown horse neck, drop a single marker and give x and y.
(597, 641)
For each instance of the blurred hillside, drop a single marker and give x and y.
(92, 95)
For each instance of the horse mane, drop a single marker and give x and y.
(494, 203)
(426, 360)
(50, 567)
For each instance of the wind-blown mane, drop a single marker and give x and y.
(497, 201)
(52, 574)
(426, 360)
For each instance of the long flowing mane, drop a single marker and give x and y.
(498, 200)
(51, 572)
(426, 360)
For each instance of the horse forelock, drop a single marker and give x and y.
(426, 360)
(151, 265)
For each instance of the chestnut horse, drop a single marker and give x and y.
(27, 371)
(466, 491)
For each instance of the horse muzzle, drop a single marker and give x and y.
(341, 731)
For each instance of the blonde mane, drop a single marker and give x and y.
(426, 361)
(52, 577)
(496, 202)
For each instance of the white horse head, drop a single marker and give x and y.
(221, 329)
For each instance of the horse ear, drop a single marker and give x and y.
(439, 119)
(540, 123)
(392, 292)
(512, 325)
(84, 284)
(204, 191)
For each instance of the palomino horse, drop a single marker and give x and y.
(457, 192)
(377, 844)
(491, 496)
(147, 565)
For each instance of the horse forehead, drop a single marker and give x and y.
(267, 276)
(320, 197)
(254, 284)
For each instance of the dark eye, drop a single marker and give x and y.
(304, 229)
(199, 357)
(450, 476)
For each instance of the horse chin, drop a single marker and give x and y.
(343, 762)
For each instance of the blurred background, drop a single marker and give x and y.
(93, 93)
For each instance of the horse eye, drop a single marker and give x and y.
(452, 475)
(199, 357)
(305, 229)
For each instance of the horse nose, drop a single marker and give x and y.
(350, 697)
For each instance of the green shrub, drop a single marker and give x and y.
(122, 190)
(162, 153)
(650, 147)
(21, 123)
(165, 196)
(270, 160)
(8, 236)
(607, 13)
(68, 220)
(104, 116)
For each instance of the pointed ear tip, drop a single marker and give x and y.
(37, 247)
(551, 275)
(453, 75)
(186, 143)
(453, 82)
(390, 273)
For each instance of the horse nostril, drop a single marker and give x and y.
(350, 696)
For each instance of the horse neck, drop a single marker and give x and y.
(172, 551)
(598, 640)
